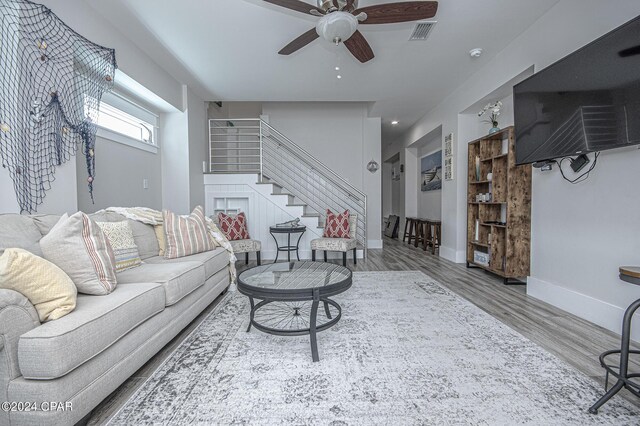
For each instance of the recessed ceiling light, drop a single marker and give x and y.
(394, 122)
(337, 68)
(339, 76)
(475, 53)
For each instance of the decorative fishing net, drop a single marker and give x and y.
(51, 82)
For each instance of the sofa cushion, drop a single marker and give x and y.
(95, 324)
(333, 244)
(18, 231)
(245, 246)
(143, 234)
(177, 278)
(214, 260)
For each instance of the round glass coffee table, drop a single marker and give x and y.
(289, 295)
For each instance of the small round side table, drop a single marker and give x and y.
(630, 381)
(288, 248)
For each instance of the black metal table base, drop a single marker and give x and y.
(313, 326)
(289, 247)
(621, 372)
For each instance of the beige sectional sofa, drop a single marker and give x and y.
(81, 358)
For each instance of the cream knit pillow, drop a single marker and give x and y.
(47, 287)
(124, 247)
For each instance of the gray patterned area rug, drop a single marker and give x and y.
(405, 352)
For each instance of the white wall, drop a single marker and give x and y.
(59, 199)
(580, 234)
(63, 196)
(120, 171)
(342, 136)
(387, 189)
(176, 183)
(196, 119)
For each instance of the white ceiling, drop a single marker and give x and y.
(227, 49)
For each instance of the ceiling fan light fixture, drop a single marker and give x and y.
(337, 27)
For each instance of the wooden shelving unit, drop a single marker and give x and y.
(506, 244)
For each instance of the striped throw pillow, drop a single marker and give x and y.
(124, 246)
(185, 235)
(77, 245)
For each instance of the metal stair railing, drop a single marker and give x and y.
(234, 146)
(285, 164)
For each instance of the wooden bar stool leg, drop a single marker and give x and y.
(427, 235)
(412, 230)
(416, 240)
(406, 224)
(436, 240)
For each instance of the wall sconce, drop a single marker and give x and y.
(372, 166)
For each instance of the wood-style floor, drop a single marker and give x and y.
(576, 341)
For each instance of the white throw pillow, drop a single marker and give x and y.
(78, 246)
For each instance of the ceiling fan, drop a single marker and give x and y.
(339, 20)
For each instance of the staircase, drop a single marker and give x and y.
(252, 146)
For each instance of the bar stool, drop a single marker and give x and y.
(434, 235)
(409, 222)
(626, 380)
(421, 231)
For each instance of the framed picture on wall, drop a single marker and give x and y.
(431, 172)
(448, 157)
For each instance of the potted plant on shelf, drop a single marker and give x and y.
(494, 108)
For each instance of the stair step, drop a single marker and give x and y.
(296, 205)
(311, 215)
(276, 193)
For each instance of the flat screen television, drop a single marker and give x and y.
(588, 101)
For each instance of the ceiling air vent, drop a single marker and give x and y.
(422, 30)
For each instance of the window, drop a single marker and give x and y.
(121, 120)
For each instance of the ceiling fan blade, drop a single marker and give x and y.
(297, 5)
(300, 42)
(359, 47)
(390, 13)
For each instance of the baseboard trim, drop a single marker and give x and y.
(374, 244)
(596, 311)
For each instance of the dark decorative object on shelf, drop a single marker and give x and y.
(289, 224)
(51, 83)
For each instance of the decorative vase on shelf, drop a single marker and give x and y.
(494, 110)
(477, 168)
(489, 177)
